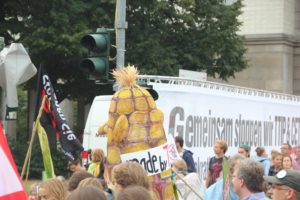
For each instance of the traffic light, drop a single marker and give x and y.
(98, 44)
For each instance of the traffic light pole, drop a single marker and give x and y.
(120, 26)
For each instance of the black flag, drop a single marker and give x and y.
(67, 141)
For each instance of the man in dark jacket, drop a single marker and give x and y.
(185, 154)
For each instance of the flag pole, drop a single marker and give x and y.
(26, 164)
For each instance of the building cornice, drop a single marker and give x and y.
(272, 38)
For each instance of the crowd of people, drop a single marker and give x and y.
(249, 177)
(254, 177)
(130, 182)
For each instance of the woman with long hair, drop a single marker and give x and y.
(97, 166)
(53, 189)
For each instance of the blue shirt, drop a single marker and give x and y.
(256, 196)
(215, 192)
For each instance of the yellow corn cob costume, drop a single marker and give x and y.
(135, 124)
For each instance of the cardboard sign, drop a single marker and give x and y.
(154, 160)
(172, 150)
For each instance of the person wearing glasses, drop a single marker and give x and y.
(285, 185)
(247, 180)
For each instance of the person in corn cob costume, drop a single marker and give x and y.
(135, 124)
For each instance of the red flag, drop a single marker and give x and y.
(11, 187)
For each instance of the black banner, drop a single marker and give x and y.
(66, 140)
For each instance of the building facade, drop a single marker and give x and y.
(272, 33)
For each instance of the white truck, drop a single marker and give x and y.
(203, 112)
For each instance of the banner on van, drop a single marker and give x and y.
(203, 114)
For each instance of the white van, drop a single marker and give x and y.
(98, 115)
(203, 112)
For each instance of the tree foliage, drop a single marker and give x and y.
(52, 30)
(162, 36)
(19, 149)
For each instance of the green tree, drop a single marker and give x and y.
(22, 111)
(164, 36)
(52, 30)
(10, 11)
